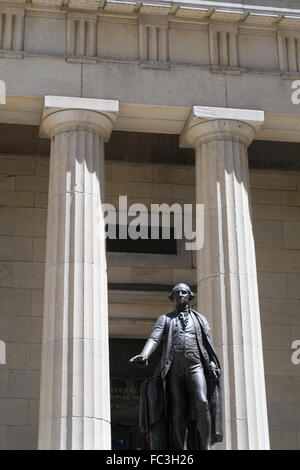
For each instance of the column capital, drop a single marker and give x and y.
(207, 123)
(65, 113)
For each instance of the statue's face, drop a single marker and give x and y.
(181, 296)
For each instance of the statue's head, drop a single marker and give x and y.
(181, 294)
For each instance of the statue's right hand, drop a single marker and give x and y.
(140, 360)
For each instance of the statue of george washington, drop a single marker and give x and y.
(181, 405)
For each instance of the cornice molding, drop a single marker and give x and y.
(234, 12)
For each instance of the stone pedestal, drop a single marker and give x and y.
(75, 392)
(226, 266)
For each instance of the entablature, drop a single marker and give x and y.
(226, 37)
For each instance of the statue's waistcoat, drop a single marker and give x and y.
(185, 340)
(170, 335)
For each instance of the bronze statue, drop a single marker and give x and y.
(181, 405)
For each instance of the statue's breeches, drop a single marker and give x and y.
(187, 398)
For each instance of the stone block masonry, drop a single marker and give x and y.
(22, 236)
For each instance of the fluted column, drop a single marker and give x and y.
(74, 396)
(226, 266)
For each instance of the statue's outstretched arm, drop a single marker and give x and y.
(151, 343)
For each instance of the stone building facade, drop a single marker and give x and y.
(164, 102)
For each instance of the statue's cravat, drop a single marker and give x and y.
(183, 317)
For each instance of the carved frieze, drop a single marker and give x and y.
(153, 43)
(221, 39)
(11, 30)
(223, 45)
(81, 35)
(289, 51)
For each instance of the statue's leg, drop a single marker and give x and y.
(197, 393)
(177, 398)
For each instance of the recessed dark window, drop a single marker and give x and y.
(155, 246)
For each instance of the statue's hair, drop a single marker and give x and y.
(185, 286)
